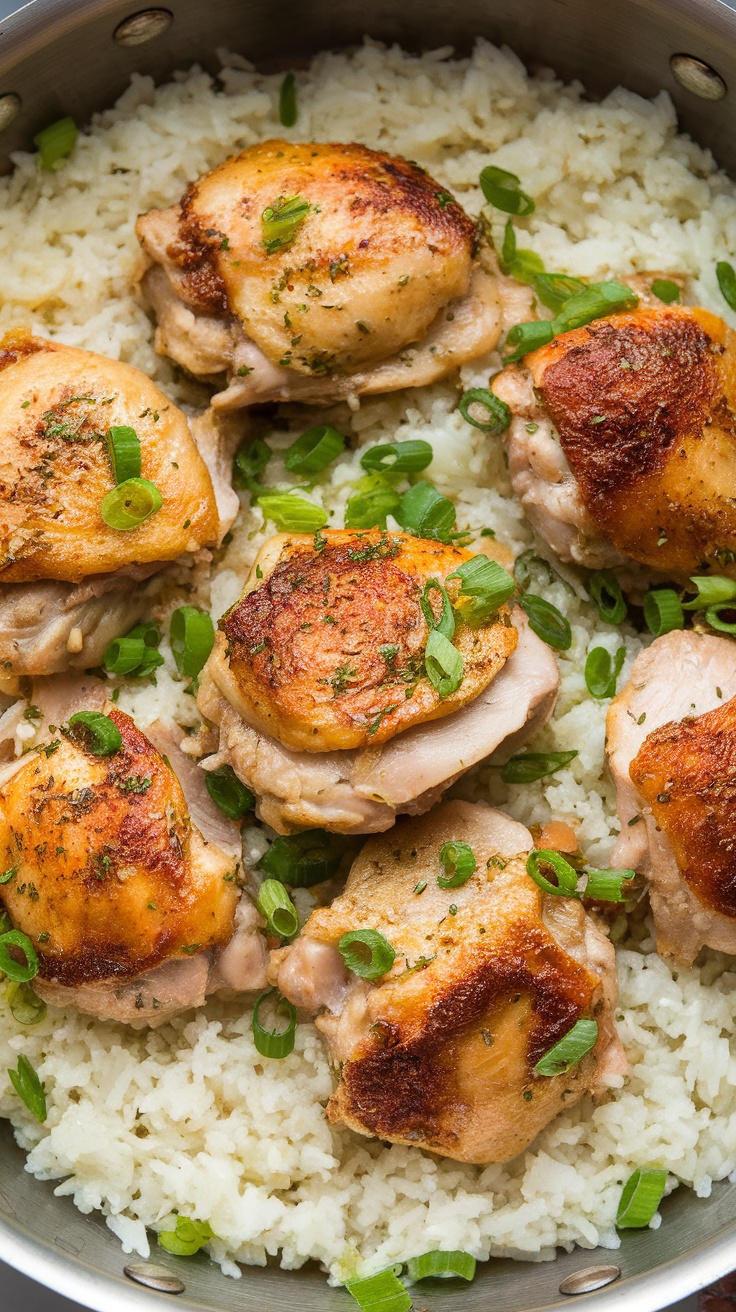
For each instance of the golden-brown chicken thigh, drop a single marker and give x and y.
(124, 900)
(441, 1051)
(308, 271)
(623, 442)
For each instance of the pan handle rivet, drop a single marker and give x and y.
(154, 1277)
(698, 77)
(139, 28)
(10, 107)
(589, 1278)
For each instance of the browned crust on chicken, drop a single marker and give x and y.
(326, 650)
(644, 407)
(18, 345)
(686, 772)
(110, 877)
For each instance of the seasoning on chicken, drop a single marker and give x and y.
(672, 752)
(318, 680)
(310, 271)
(133, 913)
(488, 976)
(621, 447)
(69, 580)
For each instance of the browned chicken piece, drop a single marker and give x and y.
(621, 447)
(441, 1051)
(325, 649)
(310, 272)
(68, 581)
(672, 752)
(134, 914)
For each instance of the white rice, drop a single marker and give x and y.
(188, 1119)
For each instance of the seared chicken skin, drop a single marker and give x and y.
(672, 753)
(130, 909)
(318, 686)
(311, 271)
(621, 447)
(63, 569)
(440, 1052)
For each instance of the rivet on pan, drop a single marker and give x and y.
(144, 26)
(696, 76)
(10, 106)
(589, 1278)
(154, 1277)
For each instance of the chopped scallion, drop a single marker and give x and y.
(567, 878)
(25, 1005)
(727, 282)
(366, 953)
(446, 622)
(486, 583)
(124, 449)
(192, 637)
(528, 337)
(640, 1198)
(369, 509)
(595, 301)
(602, 671)
(276, 1043)
(458, 863)
(250, 463)
(95, 732)
(443, 663)
(546, 621)
(18, 972)
(302, 860)
(136, 654)
(281, 221)
(397, 457)
(503, 190)
(494, 416)
(711, 590)
(424, 512)
(188, 1237)
(570, 1049)
(130, 504)
(713, 617)
(608, 885)
(523, 265)
(29, 1088)
(292, 514)
(527, 767)
(227, 792)
(275, 904)
(605, 590)
(314, 450)
(287, 102)
(665, 290)
(529, 568)
(56, 142)
(554, 289)
(383, 1292)
(663, 611)
(441, 1264)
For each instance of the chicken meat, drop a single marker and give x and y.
(309, 272)
(134, 912)
(671, 740)
(319, 687)
(621, 446)
(69, 582)
(441, 1051)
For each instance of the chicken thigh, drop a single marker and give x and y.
(672, 751)
(318, 680)
(69, 581)
(441, 1051)
(310, 272)
(134, 914)
(622, 446)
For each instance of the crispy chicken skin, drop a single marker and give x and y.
(325, 649)
(379, 259)
(630, 456)
(440, 1052)
(671, 739)
(131, 910)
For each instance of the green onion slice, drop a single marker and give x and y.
(275, 904)
(711, 590)
(523, 265)
(302, 860)
(665, 290)
(527, 337)
(554, 289)
(713, 617)
(287, 102)
(486, 583)
(440, 1265)
(124, 449)
(250, 463)
(397, 457)
(383, 1292)
(136, 654)
(608, 885)
(188, 1237)
(443, 663)
(281, 221)
(458, 862)
(292, 514)
(595, 301)
(446, 622)
(601, 671)
(277, 1043)
(530, 568)
(130, 504)
(424, 512)
(503, 190)
(546, 621)
(567, 878)
(192, 637)
(605, 590)
(95, 732)
(570, 1049)
(727, 282)
(366, 953)
(56, 142)
(663, 611)
(227, 792)
(527, 767)
(495, 415)
(314, 450)
(25, 1005)
(29, 1088)
(640, 1198)
(369, 509)
(19, 973)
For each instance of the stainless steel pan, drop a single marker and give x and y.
(74, 56)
